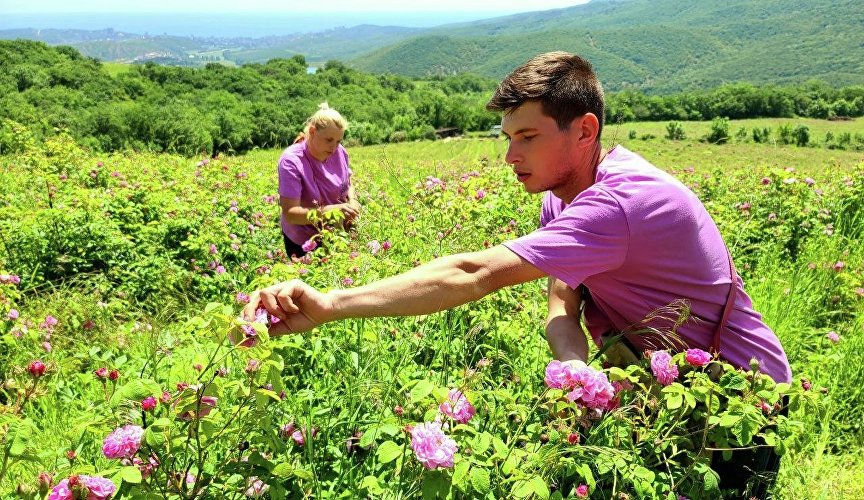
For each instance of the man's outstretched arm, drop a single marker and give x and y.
(441, 284)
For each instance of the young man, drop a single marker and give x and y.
(629, 234)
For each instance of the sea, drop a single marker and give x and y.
(232, 24)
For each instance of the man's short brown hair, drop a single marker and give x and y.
(564, 83)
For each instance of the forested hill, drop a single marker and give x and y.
(653, 45)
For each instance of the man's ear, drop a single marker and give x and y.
(585, 129)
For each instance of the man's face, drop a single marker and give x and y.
(539, 152)
(323, 142)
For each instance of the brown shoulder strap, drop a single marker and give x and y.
(730, 304)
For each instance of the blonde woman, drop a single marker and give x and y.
(314, 174)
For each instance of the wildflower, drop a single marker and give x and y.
(573, 438)
(71, 455)
(113, 375)
(398, 410)
(431, 446)
(582, 491)
(123, 442)
(744, 206)
(287, 430)
(242, 298)
(9, 279)
(12, 314)
(386, 245)
(252, 366)
(457, 407)
(148, 403)
(347, 281)
(89, 325)
(256, 487)
(809, 181)
(220, 269)
(207, 404)
(697, 357)
(559, 375)
(101, 373)
(481, 193)
(309, 245)
(839, 265)
(166, 397)
(591, 389)
(805, 384)
(36, 368)
(663, 368)
(49, 323)
(374, 247)
(299, 435)
(833, 337)
(89, 487)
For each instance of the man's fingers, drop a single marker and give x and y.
(286, 301)
(271, 303)
(249, 309)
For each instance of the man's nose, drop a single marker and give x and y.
(512, 157)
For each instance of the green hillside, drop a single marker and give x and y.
(653, 45)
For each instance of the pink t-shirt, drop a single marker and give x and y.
(312, 182)
(638, 239)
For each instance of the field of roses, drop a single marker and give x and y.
(125, 371)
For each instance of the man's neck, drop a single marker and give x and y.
(586, 176)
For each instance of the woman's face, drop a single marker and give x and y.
(323, 142)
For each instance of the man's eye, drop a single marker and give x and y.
(528, 138)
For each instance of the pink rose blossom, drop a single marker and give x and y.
(242, 298)
(591, 389)
(386, 245)
(374, 247)
(12, 314)
(36, 368)
(309, 245)
(148, 403)
(833, 337)
(697, 357)
(256, 487)
(96, 488)
(839, 266)
(123, 442)
(347, 281)
(663, 368)
(559, 375)
(481, 193)
(457, 407)
(431, 446)
(582, 491)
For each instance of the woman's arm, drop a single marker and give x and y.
(297, 215)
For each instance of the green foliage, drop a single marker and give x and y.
(719, 131)
(675, 131)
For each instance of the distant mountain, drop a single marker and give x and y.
(655, 46)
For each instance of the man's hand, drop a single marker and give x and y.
(298, 306)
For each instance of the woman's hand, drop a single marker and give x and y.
(298, 306)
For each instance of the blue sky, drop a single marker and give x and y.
(498, 7)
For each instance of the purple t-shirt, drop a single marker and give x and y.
(638, 239)
(314, 183)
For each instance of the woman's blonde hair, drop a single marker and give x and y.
(321, 119)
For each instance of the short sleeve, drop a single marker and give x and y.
(347, 162)
(590, 236)
(290, 185)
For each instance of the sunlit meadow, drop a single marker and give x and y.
(125, 371)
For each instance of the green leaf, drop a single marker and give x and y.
(131, 475)
(389, 451)
(135, 391)
(460, 475)
(481, 443)
(283, 471)
(733, 381)
(371, 484)
(421, 390)
(435, 485)
(522, 488)
(480, 480)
